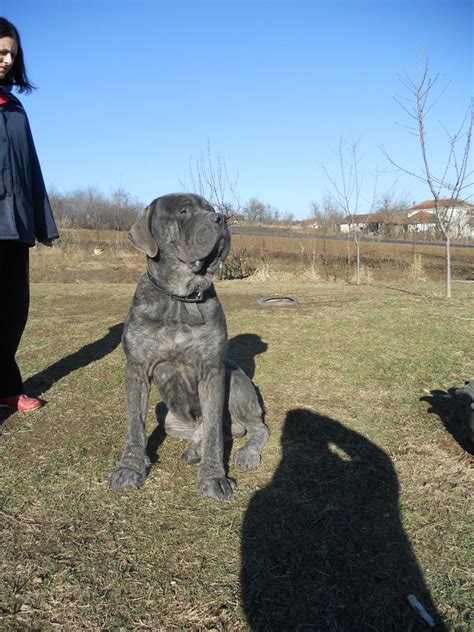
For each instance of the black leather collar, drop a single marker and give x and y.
(195, 297)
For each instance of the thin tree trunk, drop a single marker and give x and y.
(448, 266)
(358, 262)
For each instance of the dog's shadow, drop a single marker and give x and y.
(453, 408)
(242, 349)
(41, 382)
(158, 435)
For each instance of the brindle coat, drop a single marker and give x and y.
(175, 335)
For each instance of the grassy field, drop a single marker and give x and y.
(362, 497)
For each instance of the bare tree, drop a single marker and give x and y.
(288, 218)
(452, 179)
(256, 211)
(90, 208)
(59, 206)
(314, 210)
(124, 209)
(208, 176)
(327, 216)
(392, 210)
(346, 190)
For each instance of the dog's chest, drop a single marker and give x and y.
(193, 346)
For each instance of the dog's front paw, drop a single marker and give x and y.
(128, 474)
(219, 488)
(246, 459)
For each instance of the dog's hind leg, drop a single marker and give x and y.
(133, 466)
(248, 457)
(177, 427)
(246, 411)
(192, 454)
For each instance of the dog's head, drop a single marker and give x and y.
(183, 232)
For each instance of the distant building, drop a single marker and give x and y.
(419, 218)
(462, 222)
(357, 223)
(309, 223)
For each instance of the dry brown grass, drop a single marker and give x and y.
(73, 259)
(330, 257)
(362, 496)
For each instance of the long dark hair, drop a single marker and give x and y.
(17, 74)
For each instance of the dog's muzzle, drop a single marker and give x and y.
(209, 243)
(207, 232)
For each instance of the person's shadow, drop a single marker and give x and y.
(453, 407)
(322, 546)
(42, 381)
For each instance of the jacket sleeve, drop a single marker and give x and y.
(45, 226)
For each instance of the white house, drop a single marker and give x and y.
(461, 212)
(419, 218)
(356, 223)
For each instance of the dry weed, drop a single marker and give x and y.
(283, 257)
(311, 273)
(388, 261)
(365, 275)
(263, 273)
(417, 271)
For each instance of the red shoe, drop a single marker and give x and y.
(21, 402)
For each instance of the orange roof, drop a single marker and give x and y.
(355, 219)
(392, 218)
(441, 202)
(422, 217)
(401, 218)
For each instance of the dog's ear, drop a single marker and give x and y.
(140, 234)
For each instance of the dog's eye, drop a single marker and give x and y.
(183, 211)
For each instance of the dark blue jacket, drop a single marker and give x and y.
(25, 212)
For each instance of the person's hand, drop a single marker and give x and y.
(47, 242)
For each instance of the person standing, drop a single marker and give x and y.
(25, 215)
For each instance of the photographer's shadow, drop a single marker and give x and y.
(41, 382)
(323, 547)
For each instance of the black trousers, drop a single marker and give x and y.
(14, 305)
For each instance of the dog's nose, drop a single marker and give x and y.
(218, 218)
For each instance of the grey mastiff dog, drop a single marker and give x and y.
(175, 335)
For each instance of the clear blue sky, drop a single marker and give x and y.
(130, 91)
